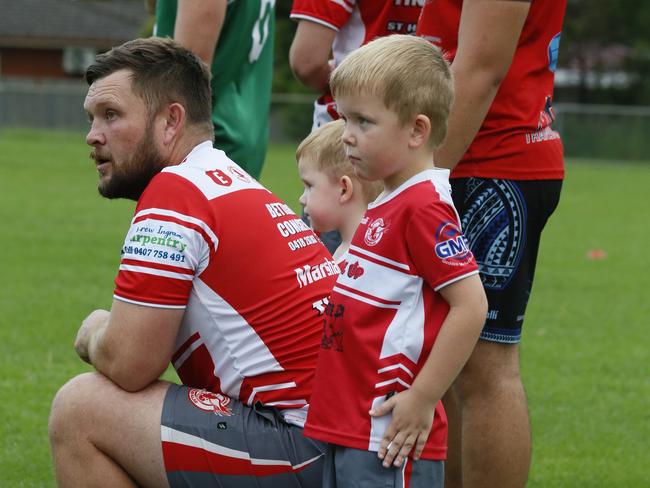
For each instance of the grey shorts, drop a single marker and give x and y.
(212, 440)
(346, 467)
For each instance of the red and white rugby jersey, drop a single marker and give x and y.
(385, 312)
(516, 140)
(356, 23)
(249, 273)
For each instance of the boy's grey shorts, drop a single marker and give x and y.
(212, 440)
(346, 467)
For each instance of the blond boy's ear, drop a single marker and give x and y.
(420, 131)
(347, 189)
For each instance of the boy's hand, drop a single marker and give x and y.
(409, 428)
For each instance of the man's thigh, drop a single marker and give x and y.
(123, 426)
(212, 440)
(503, 221)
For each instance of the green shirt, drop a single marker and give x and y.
(242, 70)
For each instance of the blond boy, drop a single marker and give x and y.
(407, 309)
(334, 198)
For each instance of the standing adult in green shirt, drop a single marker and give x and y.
(234, 38)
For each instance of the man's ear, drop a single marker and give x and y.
(346, 187)
(420, 131)
(175, 118)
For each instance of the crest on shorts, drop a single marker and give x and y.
(210, 401)
(375, 231)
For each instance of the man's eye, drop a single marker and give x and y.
(110, 114)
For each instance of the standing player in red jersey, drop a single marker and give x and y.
(328, 30)
(238, 321)
(507, 170)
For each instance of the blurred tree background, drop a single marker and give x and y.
(606, 46)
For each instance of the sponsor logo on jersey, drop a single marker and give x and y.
(306, 275)
(332, 328)
(375, 231)
(354, 270)
(544, 131)
(451, 246)
(319, 305)
(210, 401)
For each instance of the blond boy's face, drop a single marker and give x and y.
(377, 143)
(320, 197)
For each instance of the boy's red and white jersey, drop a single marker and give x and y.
(516, 139)
(385, 312)
(251, 276)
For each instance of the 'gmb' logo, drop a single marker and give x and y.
(452, 247)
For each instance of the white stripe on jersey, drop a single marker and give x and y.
(364, 252)
(457, 278)
(378, 425)
(314, 20)
(251, 356)
(396, 366)
(185, 218)
(345, 4)
(188, 352)
(394, 380)
(300, 402)
(147, 304)
(156, 272)
(281, 386)
(364, 299)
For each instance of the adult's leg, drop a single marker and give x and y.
(503, 222)
(496, 439)
(453, 465)
(102, 435)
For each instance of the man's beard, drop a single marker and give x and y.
(131, 177)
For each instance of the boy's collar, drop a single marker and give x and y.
(424, 175)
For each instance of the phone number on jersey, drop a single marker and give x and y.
(143, 251)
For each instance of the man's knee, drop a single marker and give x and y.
(492, 369)
(70, 410)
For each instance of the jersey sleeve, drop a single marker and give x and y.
(438, 247)
(330, 13)
(169, 242)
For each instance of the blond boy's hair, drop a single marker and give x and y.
(326, 150)
(408, 73)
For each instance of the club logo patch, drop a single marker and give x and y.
(210, 401)
(451, 246)
(376, 230)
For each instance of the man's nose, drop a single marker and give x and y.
(95, 135)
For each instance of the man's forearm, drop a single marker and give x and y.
(198, 26)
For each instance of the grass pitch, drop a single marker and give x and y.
(585, 352)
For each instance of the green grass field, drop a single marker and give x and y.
(585, 351)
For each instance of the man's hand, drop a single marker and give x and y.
(90, 331)
(409, 429)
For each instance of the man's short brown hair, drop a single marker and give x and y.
(408, 73)
(162, 72)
